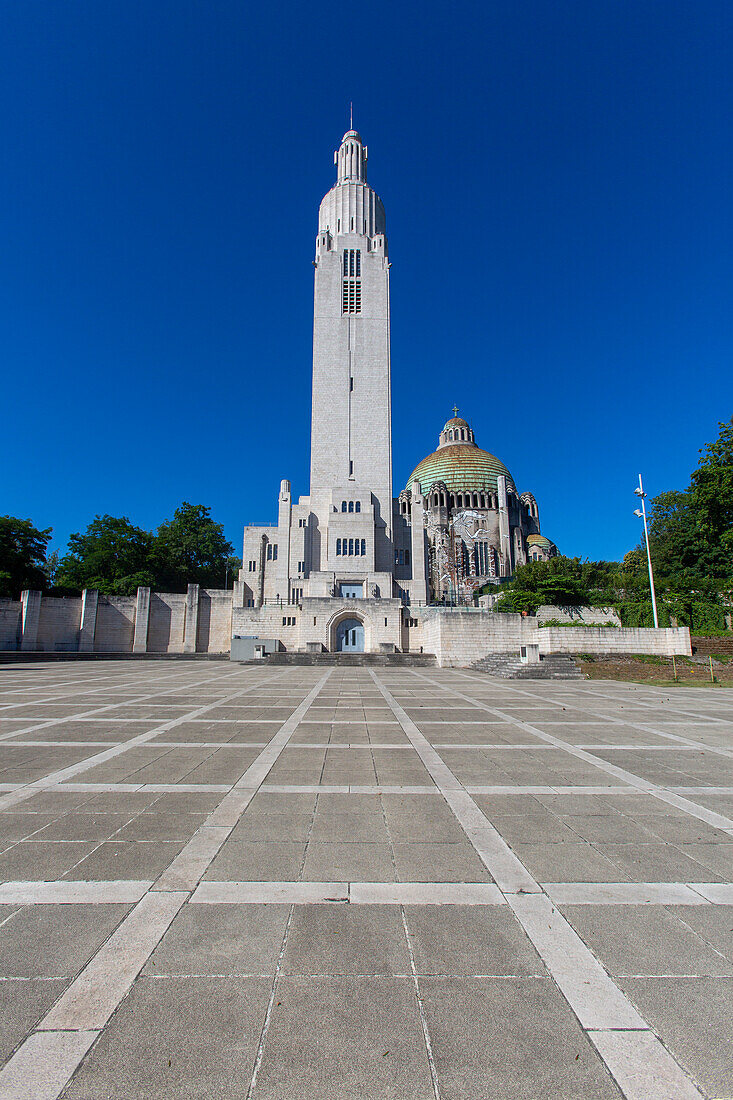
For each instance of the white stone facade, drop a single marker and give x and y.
(347, 546)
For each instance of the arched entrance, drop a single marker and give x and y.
(350, 636)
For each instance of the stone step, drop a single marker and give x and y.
(354, 660)
(509, 666)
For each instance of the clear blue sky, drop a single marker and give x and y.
(557, 178)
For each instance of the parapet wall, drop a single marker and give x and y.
(203, 621)
(196, 621)
(597, 616)
(460, 636)
(600, 640)
(10, 623)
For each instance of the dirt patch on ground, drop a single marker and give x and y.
(657, 670)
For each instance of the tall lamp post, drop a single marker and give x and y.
(641, 513)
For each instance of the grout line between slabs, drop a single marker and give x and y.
(591, 993)
(718, 821)
(43, 1064)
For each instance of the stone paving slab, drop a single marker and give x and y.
(226, 881)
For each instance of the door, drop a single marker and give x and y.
(350, 636)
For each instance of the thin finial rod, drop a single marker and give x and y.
(351, 115)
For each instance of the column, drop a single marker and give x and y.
(88, 624)
(419, 586)
(142, 618)
(30, 618)
(191, 625)
(504, 540)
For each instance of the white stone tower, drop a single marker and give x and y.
(351, 449)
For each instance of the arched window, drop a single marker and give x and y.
(357, 506)
(343, 505)
(351, 506)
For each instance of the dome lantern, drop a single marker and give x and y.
(459, 463)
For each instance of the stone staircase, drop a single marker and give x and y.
(353, 660)
(509, 666)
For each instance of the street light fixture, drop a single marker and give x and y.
(641, 513)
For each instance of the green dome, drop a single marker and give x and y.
(461, 467)
(539, 540)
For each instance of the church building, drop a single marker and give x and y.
(349, 567)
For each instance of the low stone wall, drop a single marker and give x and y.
(591, 615)
(197, 621)
(10, 623)
(705, 646)
(604, 641)
(459, 636)
(203, 621)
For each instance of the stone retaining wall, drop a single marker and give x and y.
(203, 621)
(461, 636)
(604, 641)
(198, 621)
(705, 646)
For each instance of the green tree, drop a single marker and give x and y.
(711, 491)
(192, 549)
(565, 582)
(681, 553)
(691, 539)
(112, 555)
(22, 556)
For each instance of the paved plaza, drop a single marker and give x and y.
(298, 883)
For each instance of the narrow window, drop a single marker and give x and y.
(274, 553)
(351, 289)
(343, 505)
(351, 385)
(363, 546)
(351, 546)
(357, 506)
(351, 506)
(351, 468)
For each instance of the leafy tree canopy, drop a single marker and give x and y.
(691, 533)
(116, 557)
(567, 582)
(191, 549)
(22, 556)
(112, 555)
